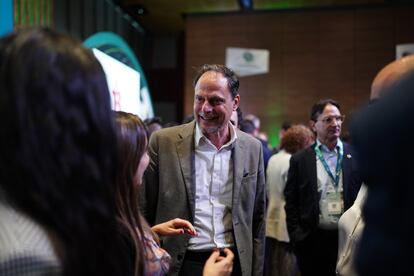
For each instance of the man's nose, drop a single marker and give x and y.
(337, 121)
(206, 107)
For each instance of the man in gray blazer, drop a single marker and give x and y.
(211, 174)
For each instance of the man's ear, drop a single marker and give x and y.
(236, 102)
(312, 125)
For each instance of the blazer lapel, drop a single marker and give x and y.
(238, 169)
(346, 164)
(311, 164)
(185, 152)
(346, 178)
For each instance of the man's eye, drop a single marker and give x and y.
(215, 101)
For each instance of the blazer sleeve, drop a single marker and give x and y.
(351, 176)
(148, 194)
(259, 221)
(292, 200)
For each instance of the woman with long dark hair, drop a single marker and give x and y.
(57, 161)
(149, 258)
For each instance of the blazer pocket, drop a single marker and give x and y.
(249, 174)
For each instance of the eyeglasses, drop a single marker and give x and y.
(328, 120)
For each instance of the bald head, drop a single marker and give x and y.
(391, 75)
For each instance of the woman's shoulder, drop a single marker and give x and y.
(25, 245)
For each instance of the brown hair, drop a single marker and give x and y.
(232, 79)
(296, 138)
(317, 108)
(132, 139)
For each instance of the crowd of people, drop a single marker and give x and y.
(85, 190)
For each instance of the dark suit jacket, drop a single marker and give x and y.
(168, 192)
(301, 192)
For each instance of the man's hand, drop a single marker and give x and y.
(218, 265)
(174, 227)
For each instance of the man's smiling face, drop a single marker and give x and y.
(213, 102)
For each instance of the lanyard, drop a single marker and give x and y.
(327, 169)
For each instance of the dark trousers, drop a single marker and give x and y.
(317, 254)
(194, 261)
(279, 259)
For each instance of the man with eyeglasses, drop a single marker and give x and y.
(323, 182)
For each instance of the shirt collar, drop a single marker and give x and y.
(199, 135)
(339, 146)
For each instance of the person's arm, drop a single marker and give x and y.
(218, 265)
(292, 200)
(174, 227)
(259, 225)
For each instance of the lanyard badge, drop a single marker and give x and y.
(335, 179)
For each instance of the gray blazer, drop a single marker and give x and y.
(169, 187)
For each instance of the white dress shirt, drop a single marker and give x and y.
(213, 193)
(326, 186)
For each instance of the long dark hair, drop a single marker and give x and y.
(132, 138)
(57, 147)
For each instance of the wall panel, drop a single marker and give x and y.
(314, 54)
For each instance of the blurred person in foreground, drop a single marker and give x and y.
(383, 134)
(279, 258)
(210, 173)
(57, 166)
(352, 222)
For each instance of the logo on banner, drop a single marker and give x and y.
(247, 62)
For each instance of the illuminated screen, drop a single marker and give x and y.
(123, 84)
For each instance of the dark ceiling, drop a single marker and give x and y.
(167, 16)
